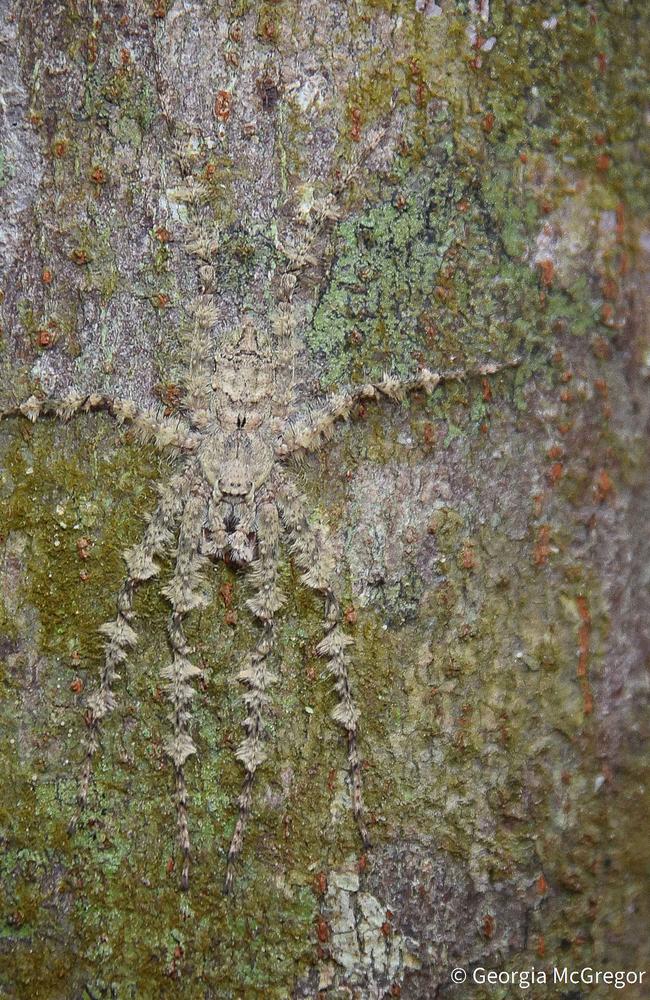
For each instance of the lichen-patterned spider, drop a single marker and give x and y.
(232, 496)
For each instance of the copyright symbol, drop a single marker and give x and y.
(458, 976)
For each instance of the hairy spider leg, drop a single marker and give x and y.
(120, 635)
(163, 432)
(315, 557)
(184, 593)
(255, 675)
(309, 431)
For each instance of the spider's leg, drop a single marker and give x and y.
(163, 432)
(120, 636)
(255, 674)
(308, 432)
(314, 555)
(184, 594)
(198, 355)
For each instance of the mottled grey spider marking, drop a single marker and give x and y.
(232, 497)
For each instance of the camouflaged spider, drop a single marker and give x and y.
(232, 496)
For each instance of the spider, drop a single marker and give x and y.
(232, 497)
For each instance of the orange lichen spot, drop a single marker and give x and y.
(356, 120)
(604, 486)
(420, 93)
(566, 376)
(267, 29)
(488, 122)
(362, 864)
(601, 387)
(226, 591)
(546, 271)
(488, 926)
(541, 946)
(125, 57)
(84, 546)
(468, 556)
(161, 300)
(46, 276)
(60, 148)
(555, 473)
(541, 885)
(170, 395)
(567, 396)
(429, 434)
(603, 163)
(602, 62)
(163, 234)
(169, 867)
(45, 338)
(542, 548)
(607, 312)
(555, 452)
(223, 105)
(91, 48)
(351, 615)
(610, 288)
(159, 9)
(486, 390)
(523, 157)
(77, 685)
(319, 885)
(600, 138)
(322, 930)
(602, 348)
(79, 256)
(98, 175)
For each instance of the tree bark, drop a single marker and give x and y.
(486, 168)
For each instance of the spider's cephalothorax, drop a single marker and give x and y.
(232, 497)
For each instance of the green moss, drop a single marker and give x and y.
(128, 920)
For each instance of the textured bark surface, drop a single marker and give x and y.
(493, 539)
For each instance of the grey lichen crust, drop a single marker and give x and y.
(232, 498)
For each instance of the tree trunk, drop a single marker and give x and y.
(482, 171)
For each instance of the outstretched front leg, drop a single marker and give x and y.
(255, 674)
(184, 595)
(163, 432)
(120, 636)
(309, 432)
(315, 557)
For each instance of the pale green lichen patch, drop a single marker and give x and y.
(427, 280)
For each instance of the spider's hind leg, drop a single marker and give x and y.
(255, 674)
(184, 594)
(315, 557)
(120, 636)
